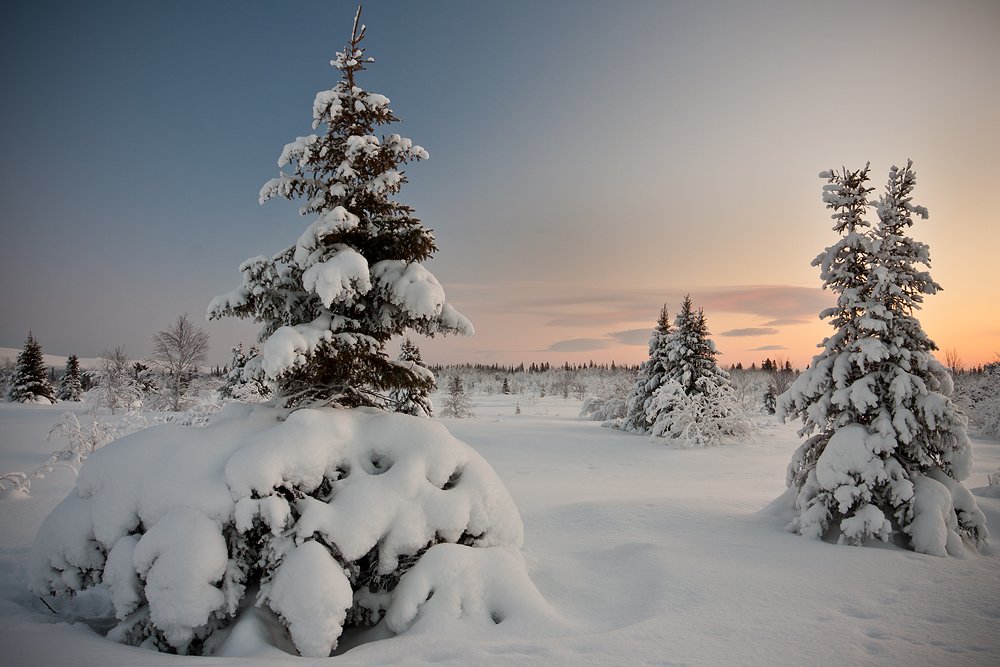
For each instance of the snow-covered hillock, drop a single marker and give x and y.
(317, 516)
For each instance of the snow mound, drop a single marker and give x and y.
(328, 518)
(482, 587)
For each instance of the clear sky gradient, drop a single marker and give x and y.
(589, 161)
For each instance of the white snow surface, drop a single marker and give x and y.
(637, 554)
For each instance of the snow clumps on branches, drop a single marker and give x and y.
(317, 517)
(681, 394)
(354, 279)
(887, 449)
(325, 518)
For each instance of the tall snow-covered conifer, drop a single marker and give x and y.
(888, 448)
(30, 382)
(70, 385)
(354, 279)
(652, 374)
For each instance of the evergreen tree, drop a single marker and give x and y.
(691, 353)
(330, 302)
(415, 399)
(70, 386)
(456, 402)
(651, 375)
(30, 382)
(695, 403)
(770, 400)
(888, 448)
(144, 378)
(240, 384)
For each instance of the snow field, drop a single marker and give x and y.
(642, 554)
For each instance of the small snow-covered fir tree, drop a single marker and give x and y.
(241, 384)
(7, 367)
(694, 404)
(30, 382)
(456, 401)
(70, 386)
(888, 449)
(355, 278)
(690, 354)
(414, 399)
(651, 375)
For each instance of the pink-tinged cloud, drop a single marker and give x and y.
(631, 336)
(767, 348)
(575, 306)
(786, 321)
(775, 301)
(579, 345)
(751, 331)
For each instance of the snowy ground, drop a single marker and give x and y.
(648, 555)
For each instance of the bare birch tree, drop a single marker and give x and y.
(178, 351)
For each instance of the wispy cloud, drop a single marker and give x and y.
(579, 345)
(751, 331)
(779, 302)
(576, 306)
(767, 348)
(631, 336)
(785, 322)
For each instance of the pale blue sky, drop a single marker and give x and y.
(589, 160)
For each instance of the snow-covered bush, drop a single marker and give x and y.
(318, 516)
(83, 441)
(978, 394)
(610, 400)
(888, 448)
(114, 385)
(706, 418)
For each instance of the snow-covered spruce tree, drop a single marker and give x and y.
(651, 376)
(690, 354)
(414, 399)
(296, 516)
(888, 448)
(30, 382)
(241, 385)
(694, 404)
(70, 386)
(354, 279)
(456, 402)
